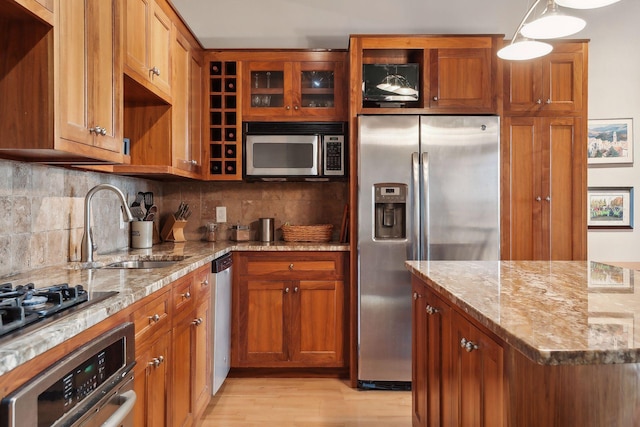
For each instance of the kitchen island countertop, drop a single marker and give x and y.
(131, 285)
(555, 313)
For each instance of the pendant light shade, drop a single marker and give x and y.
(552, 24)
(524, 49)
(585, 4)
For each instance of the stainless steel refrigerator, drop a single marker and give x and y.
(428, 189)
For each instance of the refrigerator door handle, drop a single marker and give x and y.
(424, 220)
(415, 202)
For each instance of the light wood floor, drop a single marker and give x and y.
(308, 402)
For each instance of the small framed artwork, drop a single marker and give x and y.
(611, 330)
(605, 278)
(610, 207)
(610, 142)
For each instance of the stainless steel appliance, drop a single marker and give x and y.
(294, 150)
(221, 270)
(428, 190)
(92, 386)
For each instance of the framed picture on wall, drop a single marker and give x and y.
(610, 141)
(610, 207)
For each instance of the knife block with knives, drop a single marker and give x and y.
(173, 230)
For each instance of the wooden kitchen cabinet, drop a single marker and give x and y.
(152, 321)
(186, 114)
(191, 342)
(546, 200)
(284, 90)
(147, 46)
(457, 74)
(151, 382)
(90, 77)
(477, 373)
(431, 344)
(552, 85)
(458, 370)
(289, 310)
(62, 86)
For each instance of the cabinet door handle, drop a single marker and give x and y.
(205, 282)
(548, 198)
(416, 295)
(155, 70)
(288, 107)
(154, 318)
(468, 345)
(197, 322)
(156, 361)
(186, 295)
(538, 199)
(538, 101)
(295, 107)
(286, 290)
(435, 98)
(548, 101)
(291, 267)
(431, 309)
(295, 289)
(98, 130)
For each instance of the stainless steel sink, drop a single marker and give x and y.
(140, 264)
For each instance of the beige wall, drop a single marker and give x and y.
(42, 209)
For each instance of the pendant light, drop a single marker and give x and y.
(522, 48)
(552, 24)
(585, 4)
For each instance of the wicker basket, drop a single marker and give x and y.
(307, 233)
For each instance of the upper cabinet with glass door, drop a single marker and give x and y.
(294, 90)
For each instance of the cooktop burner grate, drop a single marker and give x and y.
(24, 305)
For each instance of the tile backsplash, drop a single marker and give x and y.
(42, 209)
(299, 203)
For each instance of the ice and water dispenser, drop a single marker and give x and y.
(390, 204)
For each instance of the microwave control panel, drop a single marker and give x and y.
(333, 155)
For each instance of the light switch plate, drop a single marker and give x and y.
(221, 214)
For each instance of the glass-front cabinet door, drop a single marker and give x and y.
(317, 89)
(293, 90)
(267, 89)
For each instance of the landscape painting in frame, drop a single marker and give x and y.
(613, 331)
(610, 141)
(610, 207)
(605, 278)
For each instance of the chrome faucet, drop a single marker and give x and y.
(88, 246)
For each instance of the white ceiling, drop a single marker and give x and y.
(326, 24)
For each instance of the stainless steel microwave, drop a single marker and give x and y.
(294, 150)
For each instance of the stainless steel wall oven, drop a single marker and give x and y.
(91, 386)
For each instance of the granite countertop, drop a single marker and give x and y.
(132, 285)
(558, 312)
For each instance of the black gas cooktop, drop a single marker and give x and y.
(23, 307)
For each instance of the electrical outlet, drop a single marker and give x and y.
(221, 214)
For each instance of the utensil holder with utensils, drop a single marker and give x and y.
(173, 230)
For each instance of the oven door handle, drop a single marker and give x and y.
(126, 401)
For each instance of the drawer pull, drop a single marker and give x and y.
(154, 318)
(205, 282)
(186, 295)
(291, 267)
(197, 322)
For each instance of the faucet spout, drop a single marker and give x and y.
(88, 246)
